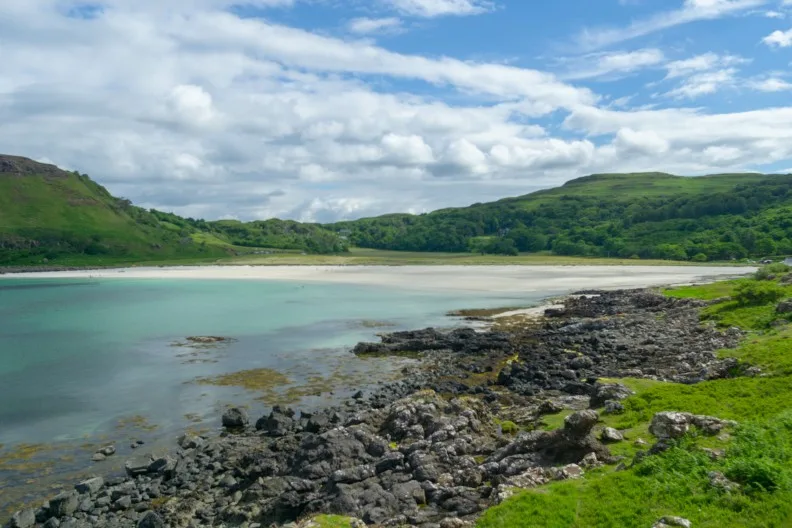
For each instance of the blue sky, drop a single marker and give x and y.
(327, 109)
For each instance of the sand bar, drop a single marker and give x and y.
(505, 279)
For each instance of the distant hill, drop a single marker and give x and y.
(643, 215)
(48, 215)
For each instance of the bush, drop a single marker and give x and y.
(753, 293)
(700, 257)
(771, 270)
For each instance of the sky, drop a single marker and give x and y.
(320, 110)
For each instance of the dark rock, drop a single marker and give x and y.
(64, 504)
(138, 465)
(580, 423)
(161, 465)
(191, 441)
(608, 392)
(550, 407)
(151, 519)
(90, 486)
(23, 519)
(235, 417)
(277, 423)
(785, 306)
(123, 503)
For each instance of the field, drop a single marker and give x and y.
(374, 257)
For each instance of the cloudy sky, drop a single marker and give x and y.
(327, 109)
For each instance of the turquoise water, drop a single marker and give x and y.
(78, 356)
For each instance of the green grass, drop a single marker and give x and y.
(331, 521)
(372, 257)
(639, 185)
(758, 452)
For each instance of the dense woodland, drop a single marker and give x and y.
(750, 220)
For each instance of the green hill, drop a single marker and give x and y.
(645, 215)
(52, 216)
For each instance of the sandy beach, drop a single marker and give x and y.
(512, 279)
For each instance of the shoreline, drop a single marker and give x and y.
(460, 278)
(389, 394)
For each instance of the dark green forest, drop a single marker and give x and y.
(688, 220)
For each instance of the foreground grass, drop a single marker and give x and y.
(758, 454)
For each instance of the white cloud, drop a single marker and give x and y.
(645, 142)
(192, 105)
(704, 83)
(778, 38)
(619, 62)
(436, 8)
(690, 11)
(364, 26)
(771, 84)
(703, 62)
(190, 108)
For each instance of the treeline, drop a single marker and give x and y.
(272, 234)
(749, 220)
(280, 234)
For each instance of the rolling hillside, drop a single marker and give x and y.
(57, 217)
(645, 215)
(52, 216)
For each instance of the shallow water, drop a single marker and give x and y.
(93, 360)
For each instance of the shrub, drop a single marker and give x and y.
(700, 257)
(753, 293)
(771, 270)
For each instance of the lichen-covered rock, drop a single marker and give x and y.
(670, 521)
(611, 435)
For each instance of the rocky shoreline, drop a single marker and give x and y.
(460, 433)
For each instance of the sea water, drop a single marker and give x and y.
(80, 358)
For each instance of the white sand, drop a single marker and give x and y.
(496, 279)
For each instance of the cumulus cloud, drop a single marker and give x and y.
(193, 108)
(779, 39)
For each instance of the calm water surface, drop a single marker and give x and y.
(77, 356)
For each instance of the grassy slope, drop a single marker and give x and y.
(633, 185)
(62, 202)
(759, 453)
(42, 203)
